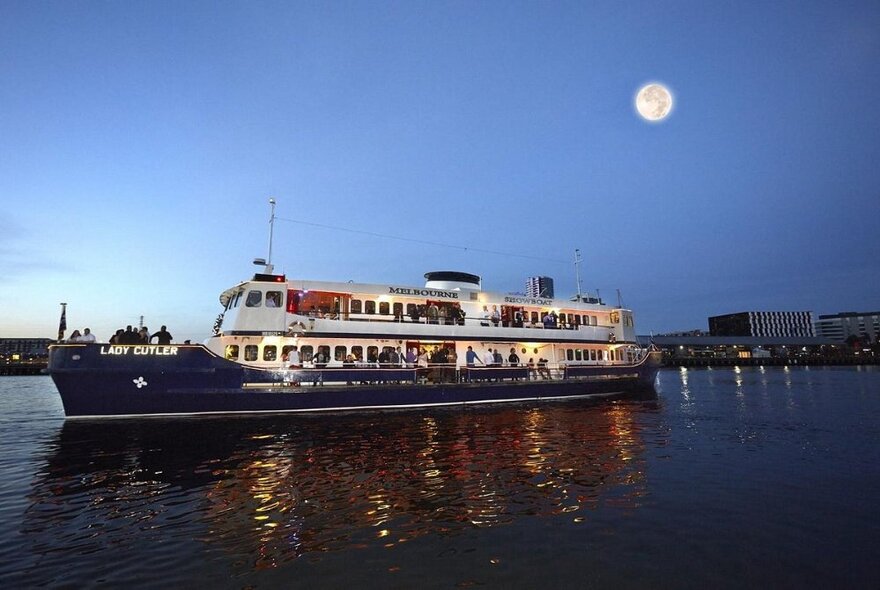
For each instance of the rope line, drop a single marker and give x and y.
(417, 241)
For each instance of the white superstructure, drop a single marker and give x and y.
(265, 317)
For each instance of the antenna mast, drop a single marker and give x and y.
(577, 272)
(269, 266)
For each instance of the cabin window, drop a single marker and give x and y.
(305, 353)
(339, 353)
(398, 310)
(254, 299)
(372, 354)
(270, 353)
(285, 351)
(410, 309)
(324, 351)
(273, 298)
(562, 318)
(592, 355)
(384, 308)
(535, 318)
(370, 307)
(577, 320)
(355, 306)
(237, 299)
(569, 354)
(231, 352)
(357, 352)
(578, 354)
(250, 352)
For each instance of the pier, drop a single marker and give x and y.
(34, 368)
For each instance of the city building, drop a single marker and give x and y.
(840, 326)
(763, 324)
(539, 287)
(24, 348)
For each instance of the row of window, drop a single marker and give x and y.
(307, 353)
(256, 298)
(591, 354)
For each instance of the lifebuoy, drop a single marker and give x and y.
(296, 329)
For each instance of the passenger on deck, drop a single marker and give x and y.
(513, 358)
(144, 335)
(163, 337)
(87, 336)
(75, 336)
(496, 316)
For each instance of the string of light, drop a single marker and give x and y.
(418, 241)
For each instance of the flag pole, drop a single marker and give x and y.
(62, 324)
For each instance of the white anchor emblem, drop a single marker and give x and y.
(140, 382)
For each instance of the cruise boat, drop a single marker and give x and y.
(285, 344)
(347, 337)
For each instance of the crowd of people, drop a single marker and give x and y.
(437, 364)
(129, 335)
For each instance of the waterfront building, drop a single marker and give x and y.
(24, 348)
(840, 326)
(541, 287)
(763, 324)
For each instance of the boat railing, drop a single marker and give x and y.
(441, 321)
(436, 373)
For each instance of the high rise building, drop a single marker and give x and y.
(763, 323)
(540, 287)
(840, 326)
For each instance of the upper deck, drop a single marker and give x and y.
(273, 304)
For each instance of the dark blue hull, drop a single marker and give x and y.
(100, 380)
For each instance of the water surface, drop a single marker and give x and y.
(725, 478)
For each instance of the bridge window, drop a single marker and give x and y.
(254, 299)
(273, 299)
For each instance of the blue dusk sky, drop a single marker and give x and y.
(140, 142)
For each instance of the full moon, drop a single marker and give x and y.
(654, 102)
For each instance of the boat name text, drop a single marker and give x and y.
(528, 300)
(423, 292)
(151, 350)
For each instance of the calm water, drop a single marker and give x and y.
(726, 478)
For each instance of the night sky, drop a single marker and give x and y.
(141, 141)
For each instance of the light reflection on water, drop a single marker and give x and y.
(271, 490)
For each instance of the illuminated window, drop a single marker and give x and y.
(231, 352)
(578, 355)
(250, 352)
(270, 353)
(357, 352)
(305, 353)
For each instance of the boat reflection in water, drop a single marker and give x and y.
(252, 493)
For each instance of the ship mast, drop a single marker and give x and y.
(268, 261)
(577, 272)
